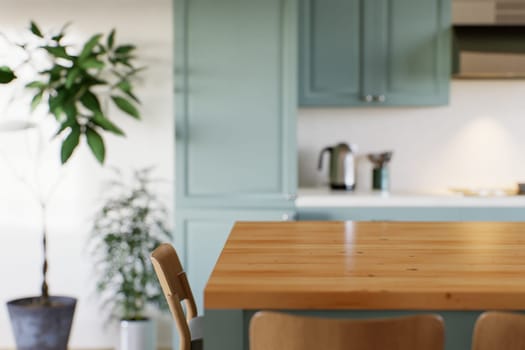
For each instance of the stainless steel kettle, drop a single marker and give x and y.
(342, 166)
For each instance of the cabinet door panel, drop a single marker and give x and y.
(235, 116)
(330, 51)
(204, 242)
(418, 52)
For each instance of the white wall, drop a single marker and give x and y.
(148, 24)
(476, 141)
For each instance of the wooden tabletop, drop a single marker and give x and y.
(370, 266)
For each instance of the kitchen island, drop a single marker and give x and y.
(365, 269)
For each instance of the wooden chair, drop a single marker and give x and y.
(499, 331)
(276, 331)
(176, 289)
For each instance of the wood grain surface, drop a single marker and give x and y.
(370, 266)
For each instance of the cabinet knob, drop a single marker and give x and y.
(288, 217)
(291, 197)
(367, 98)
(379, 98)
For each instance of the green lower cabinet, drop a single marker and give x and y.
(200, 236)
(229, 329)
(379, 214)
(493, 214)
(412, 213)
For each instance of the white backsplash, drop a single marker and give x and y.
(476, 141)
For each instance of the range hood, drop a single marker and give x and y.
(488, 12)
(489, 39)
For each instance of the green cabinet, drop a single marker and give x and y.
(200, 237)
(412, 213)
(235, 123)
(374, 52)
(236, 101)
(235, 115)
(379, 214)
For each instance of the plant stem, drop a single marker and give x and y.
(45, 290)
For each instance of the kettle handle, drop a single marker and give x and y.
(326, 149)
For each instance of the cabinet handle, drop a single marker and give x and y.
(379, 98)
(291, 197)
(288, 217)
(367, 98)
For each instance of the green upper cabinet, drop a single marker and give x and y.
(374, 52)
(236, 101)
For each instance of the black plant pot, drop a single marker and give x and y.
(40, 327)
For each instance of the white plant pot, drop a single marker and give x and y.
(138, 335)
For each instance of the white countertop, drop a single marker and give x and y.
(324, 197)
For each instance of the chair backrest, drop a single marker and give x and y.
(176, 289)
(499, 330)
(273, 331)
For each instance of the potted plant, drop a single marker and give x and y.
(72, 87)
(131, 223)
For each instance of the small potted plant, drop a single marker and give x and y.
(131, 223)
(71, 84)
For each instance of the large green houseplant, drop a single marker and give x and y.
(130, 224)
(75, 88)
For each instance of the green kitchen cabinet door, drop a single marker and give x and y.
(330, 58)
(373, 53)
(235, 103)
(415, 48)
(200, 236)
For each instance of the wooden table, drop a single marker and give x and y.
(365, 269)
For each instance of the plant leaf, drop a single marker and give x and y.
(91, 80)
(71, 77)
(69, 144)
(57, 51)
(90, 101)
(62, 32)
(96, 144)
(92, 63)
(36, 85)
(124, 61)
(57, 37)
(70, 110)
(106, 124)
(124, 49)
(64, 125)
(54, 73)
(35, 30)
(126, 106)
(88, 46)
(132, 96)
(101, 49)
(55, 103)
(36, 100)
(111, 39)
(6, 75)
(125, 87)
